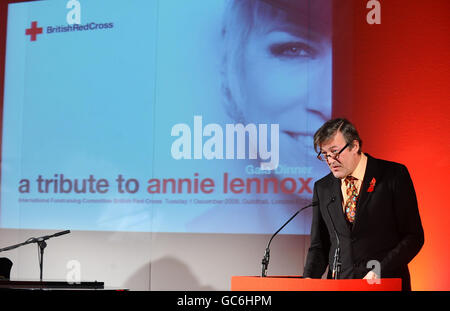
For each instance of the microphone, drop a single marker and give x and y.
(46, 237)
(336, 269)
(42, 245)
(60, 233)
(266, 258)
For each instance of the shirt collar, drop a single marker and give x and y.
(360, 169)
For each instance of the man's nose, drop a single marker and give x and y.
(331, 161)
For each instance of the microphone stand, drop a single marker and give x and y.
(266, 258)
(336, 261)
(41, 246)
(337, 253)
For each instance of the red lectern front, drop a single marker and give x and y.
(297, 283)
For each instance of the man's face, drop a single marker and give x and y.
(347, 161)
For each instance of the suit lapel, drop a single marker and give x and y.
(336, 209)
(371, 175)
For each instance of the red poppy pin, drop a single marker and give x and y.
(372, 185)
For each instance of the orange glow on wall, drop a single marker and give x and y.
(396, 91)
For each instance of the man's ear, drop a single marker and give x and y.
(354, 144)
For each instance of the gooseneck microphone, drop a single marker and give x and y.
(336, 269)
(266, 258)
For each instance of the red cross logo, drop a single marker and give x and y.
(33, 31)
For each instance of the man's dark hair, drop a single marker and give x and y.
(331, 127)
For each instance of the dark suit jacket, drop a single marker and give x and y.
(387, 227)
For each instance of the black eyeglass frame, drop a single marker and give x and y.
(324, 157)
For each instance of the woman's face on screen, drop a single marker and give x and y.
(286, 79)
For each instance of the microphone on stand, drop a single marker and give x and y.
(266, 258)
(337, 253)
(46, 237)
(42, 245)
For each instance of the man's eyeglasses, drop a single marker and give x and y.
(333, 155)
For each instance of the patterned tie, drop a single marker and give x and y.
(352, 194)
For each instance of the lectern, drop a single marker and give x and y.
(297, 283)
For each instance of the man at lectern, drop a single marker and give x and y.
(367, 210)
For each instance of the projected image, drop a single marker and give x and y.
(134, 127)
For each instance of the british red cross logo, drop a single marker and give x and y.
(33, 31)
